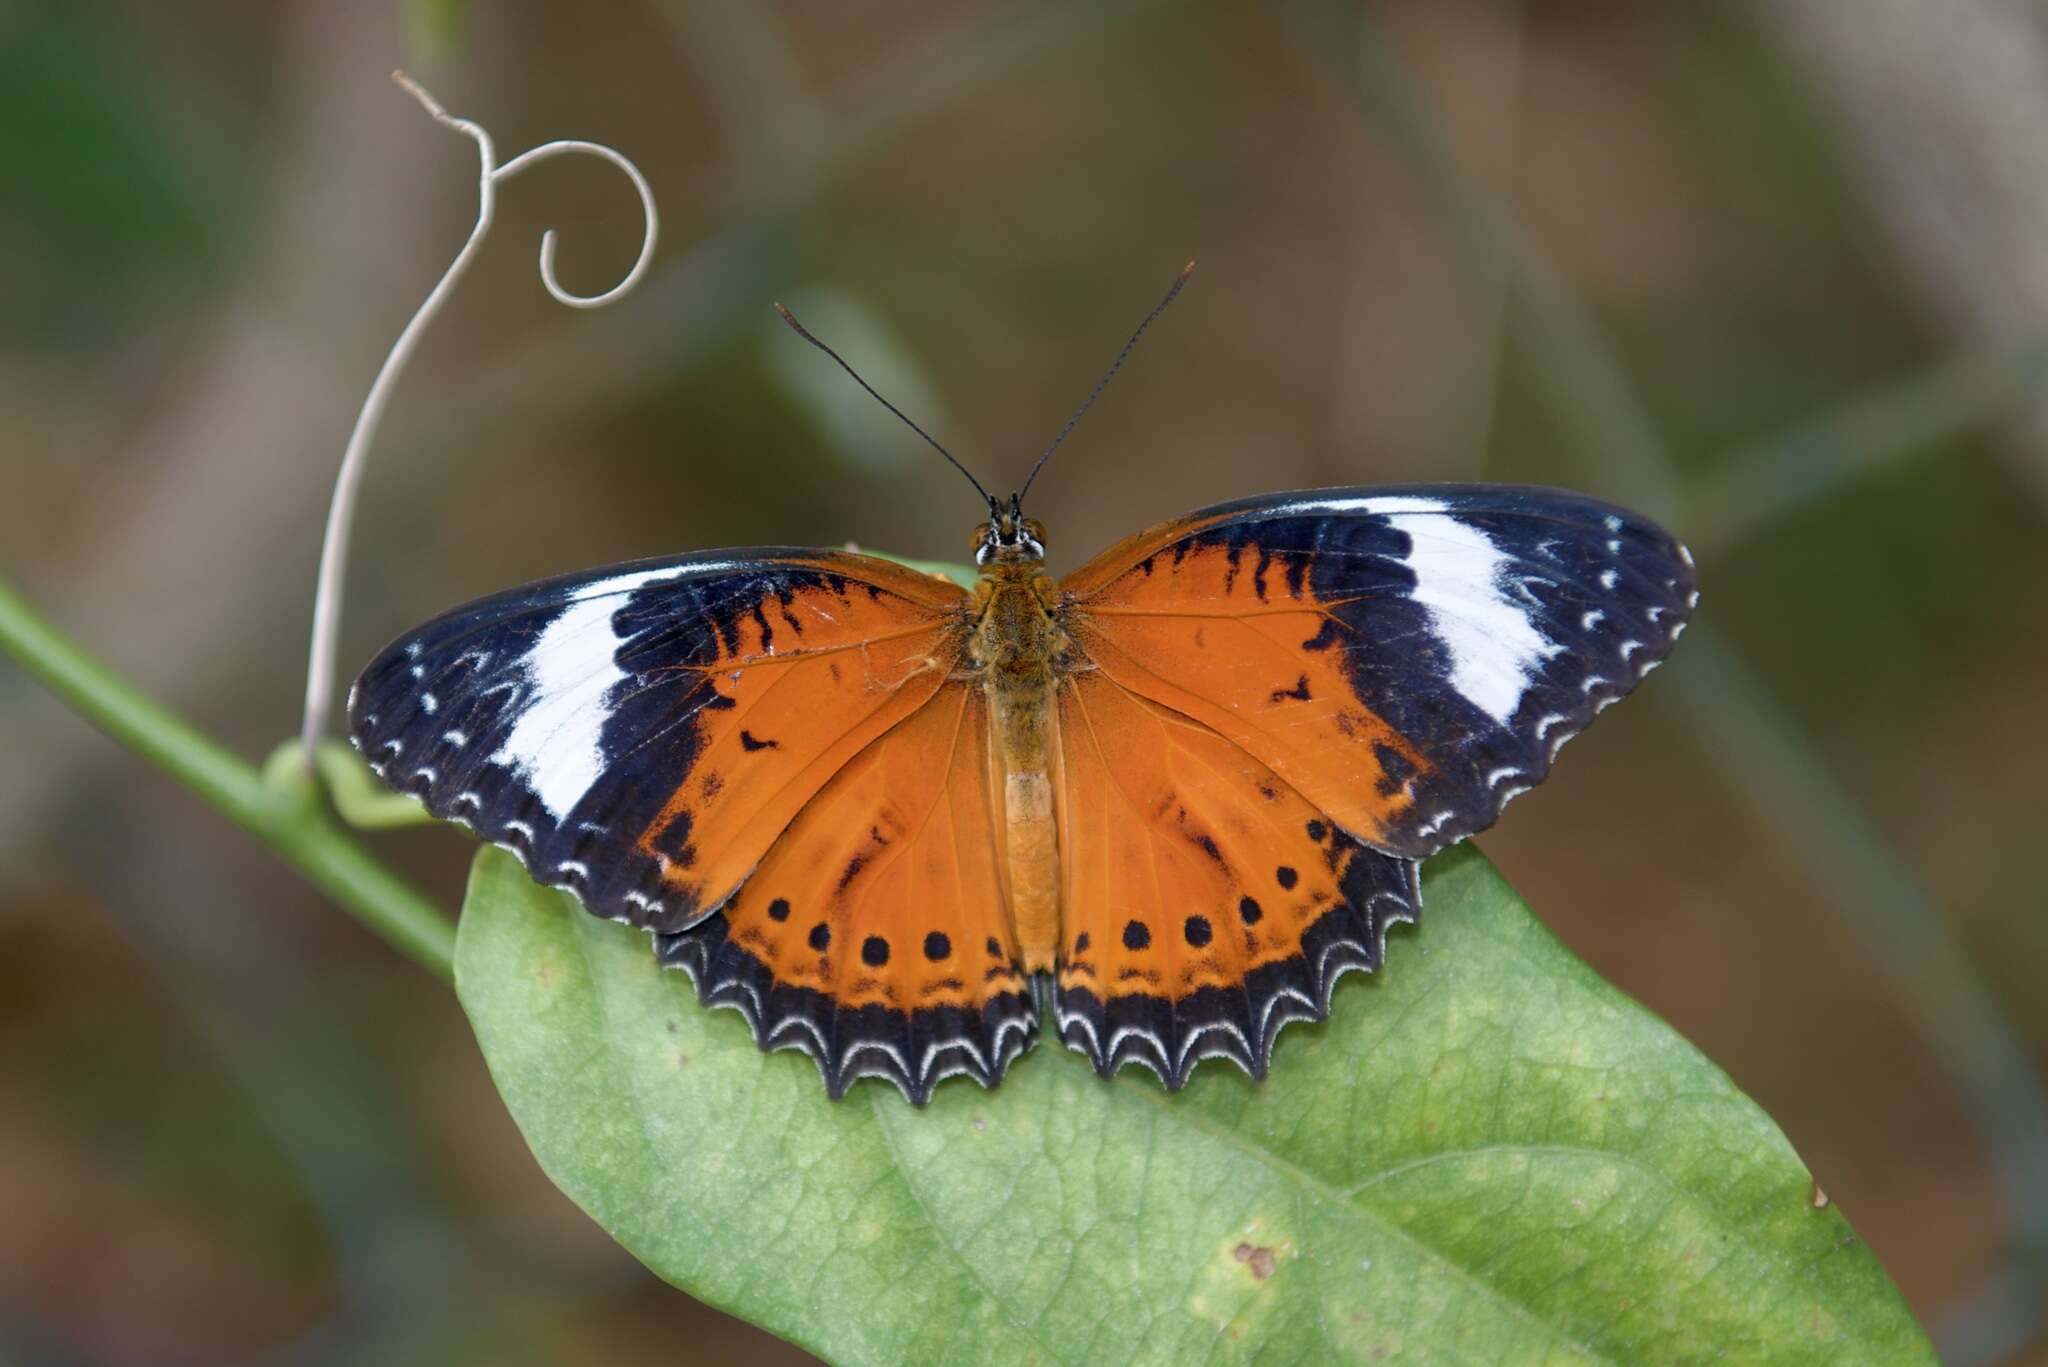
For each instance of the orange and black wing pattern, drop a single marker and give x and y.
(874, 936)
(1292, 700)
(1207, 903)
(642, 734)
(1406, 658)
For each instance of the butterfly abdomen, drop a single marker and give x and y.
(1018, 645)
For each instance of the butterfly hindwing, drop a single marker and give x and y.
(874, 935)
(1207, 902)
(1408, 659)
(642, 734)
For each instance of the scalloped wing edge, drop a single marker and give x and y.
(915, 1050)
(1171, 1037)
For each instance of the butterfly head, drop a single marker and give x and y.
(1008, 536)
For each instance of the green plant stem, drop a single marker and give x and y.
(290, 819)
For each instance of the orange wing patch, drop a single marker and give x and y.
(797, 687)
(1206, 901)
(1237, 640)
(873, 936)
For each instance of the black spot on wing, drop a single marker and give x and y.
(913, 1049)
(1299, 692)
(1171, 1035)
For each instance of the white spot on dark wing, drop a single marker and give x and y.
(567, 676)
(1461, 578)
(1592, 619)
(1608, 579)
(553, 743)
(457, 738)
(429, 704)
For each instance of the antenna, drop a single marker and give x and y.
(805, 333)
(1108, 375)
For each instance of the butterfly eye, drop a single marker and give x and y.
(1031, 535)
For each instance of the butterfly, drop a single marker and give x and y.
(1166, 799)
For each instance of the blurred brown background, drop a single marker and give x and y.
(1775, 272)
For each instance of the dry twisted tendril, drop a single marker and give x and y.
(327, 600)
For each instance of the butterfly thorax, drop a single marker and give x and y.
(1019, 650)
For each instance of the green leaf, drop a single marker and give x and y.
(1486, 1153)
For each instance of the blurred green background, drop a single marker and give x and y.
(1774, 272)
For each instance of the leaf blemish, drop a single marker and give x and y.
(1258, 1258)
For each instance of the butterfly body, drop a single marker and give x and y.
(1182, 789)
(1019, 653)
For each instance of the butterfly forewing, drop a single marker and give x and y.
(1407, 659)
(642, 734)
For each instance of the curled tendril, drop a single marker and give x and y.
(341, 511)
(548, 238)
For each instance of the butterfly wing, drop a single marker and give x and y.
(1406, 659)
(874, 935)
(1207, 901)
(642, 734)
